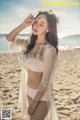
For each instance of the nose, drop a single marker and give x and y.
(37, 25)
(36, 21)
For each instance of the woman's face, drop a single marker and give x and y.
(40, 26)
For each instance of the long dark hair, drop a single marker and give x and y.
(51, 36)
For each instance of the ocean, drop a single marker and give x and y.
(65, 43)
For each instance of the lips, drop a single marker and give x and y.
(35, 30)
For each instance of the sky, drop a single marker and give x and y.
(14, 12)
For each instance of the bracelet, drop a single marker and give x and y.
(44, 83)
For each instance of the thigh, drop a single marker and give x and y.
(40, 112)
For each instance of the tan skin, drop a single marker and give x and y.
(40, 27)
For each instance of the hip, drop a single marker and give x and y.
(32, 93)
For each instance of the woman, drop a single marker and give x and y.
(39, 58)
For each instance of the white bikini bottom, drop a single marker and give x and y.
(32, 93)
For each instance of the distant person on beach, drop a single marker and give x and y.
(39, 61)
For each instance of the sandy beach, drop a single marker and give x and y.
(66, 88)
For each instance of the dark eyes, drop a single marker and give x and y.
(41, 25)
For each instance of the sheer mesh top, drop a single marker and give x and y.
(33, 62)
(36, 62)
(48, 63)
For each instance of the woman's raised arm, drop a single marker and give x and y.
(27, 22)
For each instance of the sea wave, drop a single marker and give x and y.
(69, 42)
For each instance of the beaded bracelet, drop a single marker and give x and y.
(44, 83)
(43, 86)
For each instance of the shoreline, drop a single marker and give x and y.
(12, 51)
(4, 52)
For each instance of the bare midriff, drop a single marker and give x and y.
(34, 78)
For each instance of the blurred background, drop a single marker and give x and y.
(13, 13)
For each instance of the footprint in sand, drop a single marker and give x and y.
(6, 91)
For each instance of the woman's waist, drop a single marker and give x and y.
(33, 83)
(34, 79)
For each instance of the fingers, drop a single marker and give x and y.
(31, 16)
(30, 20)
(29, 109)
(30, 112)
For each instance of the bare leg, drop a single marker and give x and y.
(40, 111)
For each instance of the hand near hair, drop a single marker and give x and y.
(29, 20)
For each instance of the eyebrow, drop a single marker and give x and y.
(43, 22)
